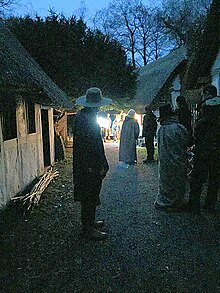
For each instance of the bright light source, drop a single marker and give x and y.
(103, 122)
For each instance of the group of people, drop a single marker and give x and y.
(174, 137)
(111, 129)
(116, 129)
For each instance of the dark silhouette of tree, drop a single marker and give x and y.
(184, 20)
(6, 6)
(119, 20)
(136, 26)
(205, 53)
(76, 57)
(148, 33)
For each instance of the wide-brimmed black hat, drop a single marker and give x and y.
(165, 111)
(93, 99)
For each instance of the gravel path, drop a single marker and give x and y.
(147, 250)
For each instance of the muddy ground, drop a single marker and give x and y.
(147, 250)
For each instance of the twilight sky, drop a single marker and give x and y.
(67, 7)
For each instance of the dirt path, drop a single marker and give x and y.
(147, 250)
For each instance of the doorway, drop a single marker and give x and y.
(46, 137)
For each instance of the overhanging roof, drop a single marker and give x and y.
(152, 77)
(20, 73)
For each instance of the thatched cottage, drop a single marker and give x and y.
(204, 64)
(27, 99)
(160, 81)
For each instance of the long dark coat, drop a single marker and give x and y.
(207, 155)
(149, 125)
(88, 158)
(184, 116)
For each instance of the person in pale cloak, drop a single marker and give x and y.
(128, 140)
(173, 141)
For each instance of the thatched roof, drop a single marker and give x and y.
(153, 77)
(22, 75)
(203, 58)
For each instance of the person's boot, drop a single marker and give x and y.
(99, 224)
(94, 234)
(149, 161)
(210, 209)
(193, 208)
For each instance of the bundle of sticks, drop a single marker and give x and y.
(33, 197)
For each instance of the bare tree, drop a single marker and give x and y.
(184, 18)
(151, 36)
(6, 5)
(119, 20)
(147, 32)
(144, 32)
(137, 27)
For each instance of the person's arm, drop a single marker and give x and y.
(137, 130)
(97, 153)
(144, 126)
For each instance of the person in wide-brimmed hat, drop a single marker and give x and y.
(165, 111)
(93, 99)
(172, 157)
(89, 162)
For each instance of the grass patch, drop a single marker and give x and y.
(141, 151)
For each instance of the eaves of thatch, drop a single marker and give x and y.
(22, 76)
(153, 77)
(199, 66)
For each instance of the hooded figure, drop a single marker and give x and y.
(172, 156)
(129, 134)
(89, 162)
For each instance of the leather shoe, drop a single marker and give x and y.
(148, 161)
(210, 209)
(93, 234)
(192, 208)
(99, 224)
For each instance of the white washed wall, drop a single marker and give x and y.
(21, 159)
(176, 88)
(51, 131)
(4, 197)
(215, 72)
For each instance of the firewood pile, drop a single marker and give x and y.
(33, 197)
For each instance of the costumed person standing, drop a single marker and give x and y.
(59, 146)
(184, 115)
(206, 153)
(108, 128)
(172, 156)
(128, 140)
(89, 162)
(149, 132)
(115, 129)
